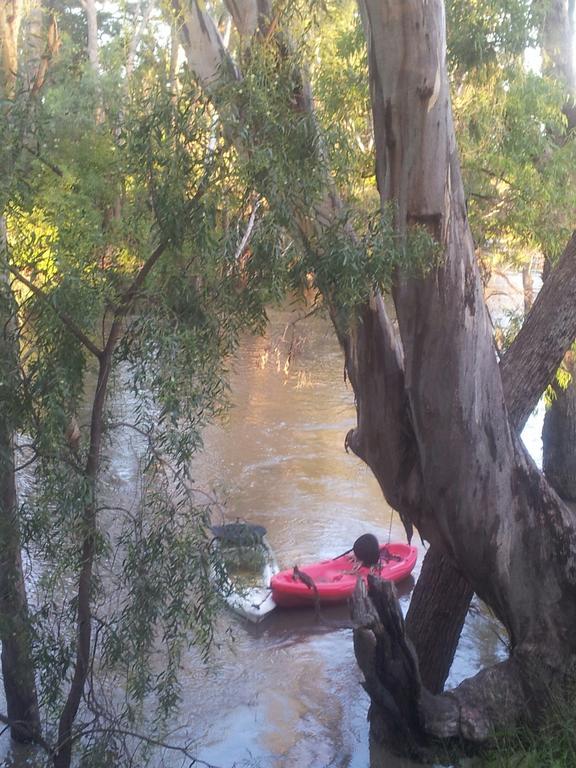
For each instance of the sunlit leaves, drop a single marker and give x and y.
(483, 32)
(516, 171)
(339, 72)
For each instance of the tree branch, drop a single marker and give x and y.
(535, 354)
(47, 163)
(152, 742)
(65, 318)
(137, 37)
(130, 294)
(248, 233)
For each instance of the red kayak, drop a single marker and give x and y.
(335, 579)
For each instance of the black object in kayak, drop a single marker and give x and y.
(367, 550)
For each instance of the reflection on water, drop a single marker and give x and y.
(287, 692)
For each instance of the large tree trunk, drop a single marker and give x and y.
(559, 448)
(384, 437)
(486, 504)
(15, 635)
(526, 369)
(558, 30)
(11, 12)
(436, 615)
(17, 666)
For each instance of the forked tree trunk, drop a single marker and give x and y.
(384, 438)
(438, 608)
(486, 504)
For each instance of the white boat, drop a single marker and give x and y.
(247, 566)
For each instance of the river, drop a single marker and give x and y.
(287, 693)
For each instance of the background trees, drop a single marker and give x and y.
(124, 270)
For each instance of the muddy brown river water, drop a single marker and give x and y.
(287, 693)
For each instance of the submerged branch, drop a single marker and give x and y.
(35, 737)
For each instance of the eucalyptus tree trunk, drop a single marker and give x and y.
(92, 39)
(486, 504)
(15, 636)
(558, 30)
(11, 12)
(442, 594)
(558, 444)
(385, 436)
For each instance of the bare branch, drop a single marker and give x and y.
(152, 742)
(248, 233)
(47, 163)
(131, 293)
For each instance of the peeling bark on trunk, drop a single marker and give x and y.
(486, 504)
(10, 20)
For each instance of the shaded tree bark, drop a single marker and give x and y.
(486, 503)
(436, 616)
(559, 435)
(527, 367)
(533, 358)
(15, 635)
(11, 12)
(559, 448)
